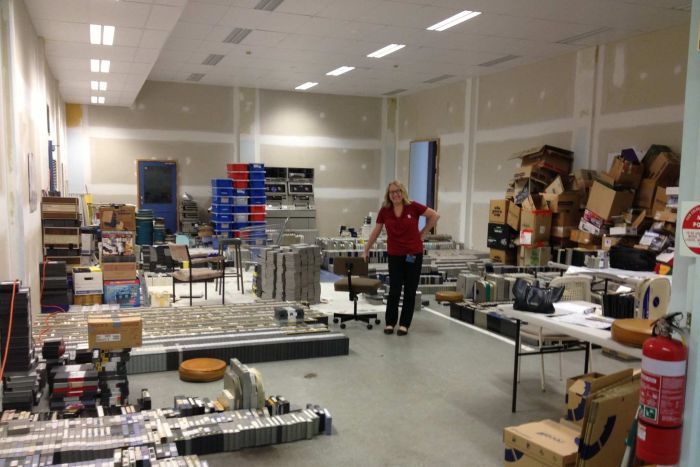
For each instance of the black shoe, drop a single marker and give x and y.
(389, 330)
(401, 332)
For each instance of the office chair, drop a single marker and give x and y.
(181, 254)
(575, 288)
(230, 251)
(353, 269)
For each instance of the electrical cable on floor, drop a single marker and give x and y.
(9, 330)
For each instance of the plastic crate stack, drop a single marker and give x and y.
(248, 201)
(222, 206)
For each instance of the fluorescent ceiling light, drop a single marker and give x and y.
(453, 20)
(101, 100)
(93, 99)
(101, 35)
(94, 65)
(339, 71)
(305, 86)
(104, 66)
(99, 66)
(95, 34)
(103, 85)
(108, 35)
(386, 50)
(94, 85)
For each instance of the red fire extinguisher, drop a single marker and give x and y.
(662, 395)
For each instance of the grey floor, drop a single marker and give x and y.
(439, 396)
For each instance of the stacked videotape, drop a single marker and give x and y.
(246, 386)
(290, 273)
(72, 386)
(23, 376)
(111, 375)
(54, 286)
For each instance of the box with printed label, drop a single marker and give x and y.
(504, 256)
(501, 236)
(87, 280)
(118, 246)
(498, 211)
(114, 332)
(123, 293)
(550, 443)
(580, 388)
(534, 256)
(535, 226)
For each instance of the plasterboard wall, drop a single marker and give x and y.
(205, 127)
(26, 122)
(594, 101)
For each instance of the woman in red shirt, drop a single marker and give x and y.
(405, 248)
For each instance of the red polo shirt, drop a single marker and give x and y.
(403, 236)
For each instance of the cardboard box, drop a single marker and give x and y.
(666, 216)
(566, 219)
(504, 256)
(559, 231)
(118, 271)
(547, 157)
(114, 332)
(606, 202)
(546, 441)
(533, 172)
(584, 238)
(580, 388)
(524, 188)
(606, 424)
(498, 211)
(644, 198)
(664, 168)
(660, 201)
(625, 173)
(585, 226)
(535, 221)
(583, 180)
(556, 187)
(534, 256)
(567, 201)
(514, 217)
(124, 293)
(515, 458)
(501, 237)
(117, 218)
(87, 280)
(118, 246)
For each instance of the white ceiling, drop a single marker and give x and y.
(301, 40)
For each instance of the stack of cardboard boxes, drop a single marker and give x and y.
(599, 414)
(290, 273)
(546, 205)
(118, 256)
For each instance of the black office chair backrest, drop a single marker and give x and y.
(359, 266)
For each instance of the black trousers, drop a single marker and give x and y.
(402, 275)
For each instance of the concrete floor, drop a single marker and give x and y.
(439, 396)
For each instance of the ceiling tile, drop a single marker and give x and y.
(163, 17)
(207, 13)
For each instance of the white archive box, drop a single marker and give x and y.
(87, 280)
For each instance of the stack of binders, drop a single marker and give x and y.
(22, 378)
(54, 286)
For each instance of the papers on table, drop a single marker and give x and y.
(589, 321)
(568, 308)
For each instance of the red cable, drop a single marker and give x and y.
(9, 330)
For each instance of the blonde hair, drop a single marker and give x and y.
(402, 188)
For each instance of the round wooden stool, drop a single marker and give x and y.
(202, 370)
(449, 296)
(632, 331)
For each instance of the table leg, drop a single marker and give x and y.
(515, 365)
(588, 357)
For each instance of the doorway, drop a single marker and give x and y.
(423, 173)
(157, 182)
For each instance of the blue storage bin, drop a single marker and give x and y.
(239, 225)
(257, 200)
(256, 191)
(253, 184)
(255, 166)
(237, 209)
(222, 192)
(222, 199)
(256, 175)
(222, 183)
(240, 192)
(217, 217)
(240, 200)
(220, 226)
(221, 208)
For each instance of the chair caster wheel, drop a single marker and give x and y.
(377, 321)
(342, 325)
(336, 320)
(369, 326)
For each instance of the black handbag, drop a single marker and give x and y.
(535, 299)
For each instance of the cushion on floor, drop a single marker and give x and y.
(449, 296)
(202, 370)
